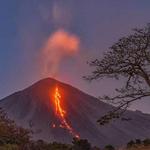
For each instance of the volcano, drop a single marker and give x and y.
(35, 108)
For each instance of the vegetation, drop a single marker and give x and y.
(10, 134)
(138, 141)
(146, 142)
(13, 137)
(81, 144)
(109, 147)
(141, 147)
(130, 144)
(139, 144)
(129, 60)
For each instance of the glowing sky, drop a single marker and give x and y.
(26, 25)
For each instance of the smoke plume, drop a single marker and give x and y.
(60, 44)
(61, 14)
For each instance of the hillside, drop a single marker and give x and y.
(34, 108)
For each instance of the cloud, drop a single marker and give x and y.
(60, 44)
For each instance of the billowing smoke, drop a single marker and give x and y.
(60, 44)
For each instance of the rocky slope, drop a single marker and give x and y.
(34, 108)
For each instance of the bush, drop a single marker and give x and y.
(95, 148)
(10, 133)
(9, 147)
(130, 144)
(109, 147)
(13, 137)
(81, 144)
(146, 142)
(58, 146)
(138, 141)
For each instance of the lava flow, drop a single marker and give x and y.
(61, 114)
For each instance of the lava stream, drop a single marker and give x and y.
(61, 113)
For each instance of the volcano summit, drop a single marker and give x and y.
(56, 111)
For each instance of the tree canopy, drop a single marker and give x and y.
(128, 58)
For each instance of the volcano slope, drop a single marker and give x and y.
(34, 108)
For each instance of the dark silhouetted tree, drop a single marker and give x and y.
(130, 144)
(81, 144)
(109, 147)
(138, 141)
(146, 142)
(128, 59)
(10, 133)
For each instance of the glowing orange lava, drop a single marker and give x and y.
(61, 113)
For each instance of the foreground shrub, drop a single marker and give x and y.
(81, 144)
(10, 133)
(9, 147)
(138, 142)
(130, 144)
(109, 147)
(59, 146)
(146, 142)
(13, 137)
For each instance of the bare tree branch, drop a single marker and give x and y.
(128, 58)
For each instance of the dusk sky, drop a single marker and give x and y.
(89, 26)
